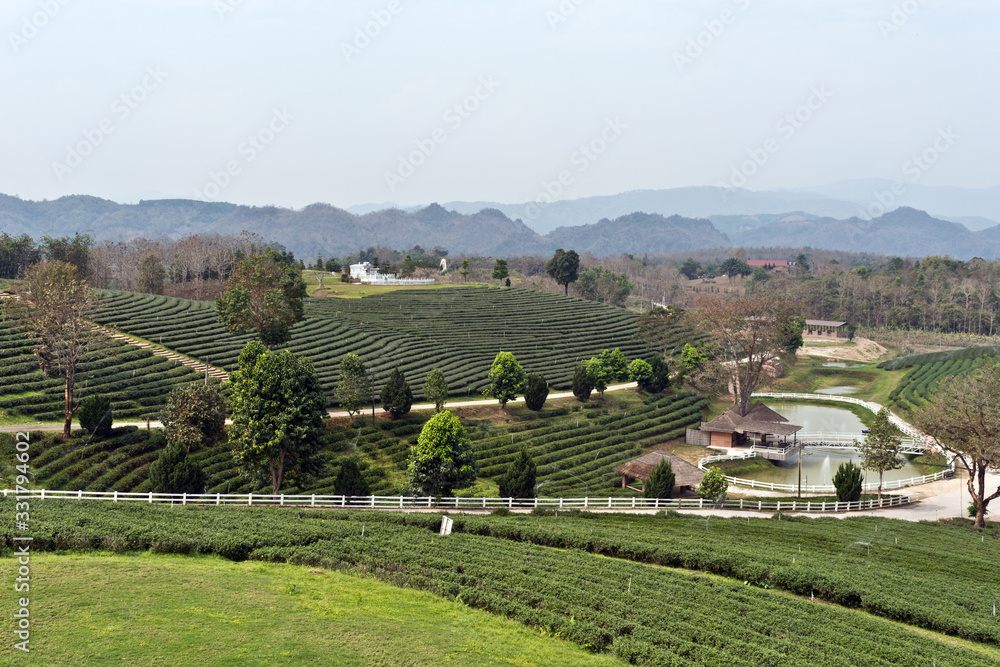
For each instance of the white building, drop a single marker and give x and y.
(368, 274)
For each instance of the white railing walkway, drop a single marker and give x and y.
(410, 502)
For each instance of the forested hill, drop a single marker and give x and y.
(322, 229)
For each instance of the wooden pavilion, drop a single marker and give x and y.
(730, 429)
(687, 477)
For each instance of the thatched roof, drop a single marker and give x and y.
(758, 419)
(685, 474)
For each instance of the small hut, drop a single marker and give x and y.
(687, 477)
(730, 429)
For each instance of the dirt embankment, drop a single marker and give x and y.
(862, 349)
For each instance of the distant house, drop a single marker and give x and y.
(730, 429)
(831, 328)
(368, 274)
(687, 477)
(769, 263)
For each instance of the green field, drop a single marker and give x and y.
(457, 329)
(653, 590)
(145, 609)
(574, 445)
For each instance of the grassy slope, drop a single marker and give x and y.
(98, 609)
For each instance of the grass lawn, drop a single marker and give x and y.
(101, 609)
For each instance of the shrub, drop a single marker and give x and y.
(397, 398)
(583, 383)
(848, 481)
(95, 415)
(519, 480)
(194, 415)
(349, 481)
(535, 392)
(173, 472)
(713, 485)
(661, 481)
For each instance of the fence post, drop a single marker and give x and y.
(536, 501)
(560, 503)
(184, 499)
(633, 502)
(373, 502)
(760, 505)
(249, 499)
(741, 503)
(281, 502)
(218, 498)
(312, 501)
(585, 502)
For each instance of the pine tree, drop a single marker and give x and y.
(583, 383)
(661, 481)
(396, 395)
(536, 390)
(519, 480)
(848, 481)
(174, 472)
(349, 481)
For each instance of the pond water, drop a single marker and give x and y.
(837, 391)
(819, 464)
(842, 364)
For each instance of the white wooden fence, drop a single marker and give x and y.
(410, 502)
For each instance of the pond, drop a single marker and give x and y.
(837, 391)
(819, 464)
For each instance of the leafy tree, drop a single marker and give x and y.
(792, 329)
(278, 409)
(17, 253)
(659, 327)
(194, 415)
(880, 450)
(713, 485)
(53, 305)
(616, 363)
(349, 481)
(640, 372)
(536, 390)
(600, 372)
(852, 329)
(151, 275)
(409, 266)
(583, 383)
(95, 415)
(519, 479)
(734, 266)
(661, 481)
(802, 262)
(436, 389)
(443, 459)
(760, 276)
(690, 269)
(564, 267)
(396, 395)
(464, 271)
(746, 333)
(73, 250)
(264, 294)
(847, 481)
(174, 472)
(963, 417)
(353, 385)
(692, 357)
(607, 287)
(506, 378)
(500, 270)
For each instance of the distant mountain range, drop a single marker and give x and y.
(321, 229)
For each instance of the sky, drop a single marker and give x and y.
(293, 102)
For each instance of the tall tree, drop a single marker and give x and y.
(397, 398)
(536, 390)
(880, 449)
(436, 389)
(963, 417)
(443, 459)
(264, 294)
(506, 378)
(353, 385)
(746, 333)
(349, 480)
(174, 472)
(607, 287)
(583, 383)
(53, 305)
(564, 267)
(73, 250)
(601, 374)
(500, 270)
(519, 479)
(278, 410)
(661, 481)
(151, 275)
(194, 415)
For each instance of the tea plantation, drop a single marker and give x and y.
(925, 370)
(840, 592)
(458, 330)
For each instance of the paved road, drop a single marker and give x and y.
(334, 414)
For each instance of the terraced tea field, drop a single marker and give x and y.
(459, 330)
(925, 370)
(136, 381)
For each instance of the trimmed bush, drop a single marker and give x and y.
(95, 415)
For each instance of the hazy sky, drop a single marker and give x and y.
(297, 101)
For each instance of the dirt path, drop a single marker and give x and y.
(199, 366)
(863, 349)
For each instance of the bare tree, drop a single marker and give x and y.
(53, 304)
(964, 420)
(746, 333)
